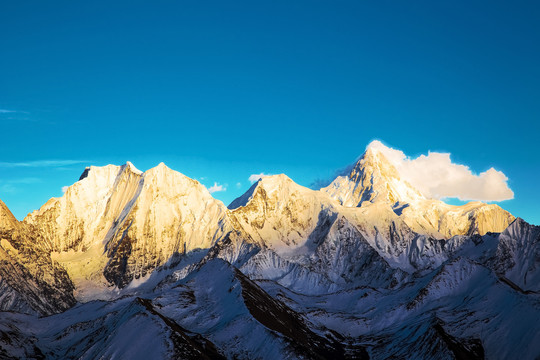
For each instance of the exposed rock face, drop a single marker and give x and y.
(518, 255)
(30, 281)
(7, 220)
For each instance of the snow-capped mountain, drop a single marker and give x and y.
(375, 180)
(367, 267)
(117, 224)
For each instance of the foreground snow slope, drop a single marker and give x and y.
(461, 309)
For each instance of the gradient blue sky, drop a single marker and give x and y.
(221, 90)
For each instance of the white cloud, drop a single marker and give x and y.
(239, 185)
(26, 180)
(436, 176)
(13, 185)
(15, 116)
(7, 189)
(42, 163)
(255, 177)
(64, 189)
(215, 188)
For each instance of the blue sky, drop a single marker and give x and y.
(222, 90)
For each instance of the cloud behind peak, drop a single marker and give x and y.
(436, 176)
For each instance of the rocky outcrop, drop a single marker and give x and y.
(518, 255)
(30, 281)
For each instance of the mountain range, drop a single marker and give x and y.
(148, 265)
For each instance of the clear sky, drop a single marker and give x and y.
(220, 90)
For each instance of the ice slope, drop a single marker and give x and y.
(222, 304)
(18, 336)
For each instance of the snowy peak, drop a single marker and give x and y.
(244, 198)
(373, 179)
(118, 223)
(100, 171)
(373, 162)
(276, 182)
(518, 255)
(278, 213)
(165, 178)
(280, 184)
(132, 168)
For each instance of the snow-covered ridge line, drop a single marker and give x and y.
(117, 224)
(368, 269)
